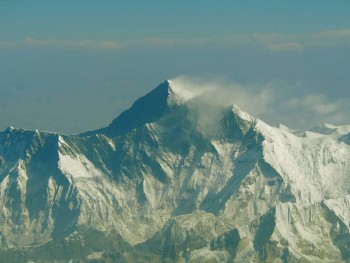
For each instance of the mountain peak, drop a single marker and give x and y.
(179, 91)
(162, 100)
(203, 182)
(149, 108)
(241, 114)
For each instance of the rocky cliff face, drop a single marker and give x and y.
(176, 179)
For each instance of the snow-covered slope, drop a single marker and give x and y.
(176, 178)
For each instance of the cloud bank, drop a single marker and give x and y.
(271, 41)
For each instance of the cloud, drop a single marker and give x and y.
(102, 44)
(271, 102)
(316, 103)
(292, 46)
(295, 42)
(341, 33)
(56, 43)
(220, 91)
(10, 44)
(273, 42)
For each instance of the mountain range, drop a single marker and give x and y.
(176, 178)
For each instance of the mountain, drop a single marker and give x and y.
(176, 179)
(147, 109)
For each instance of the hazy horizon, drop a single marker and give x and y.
(72, 67)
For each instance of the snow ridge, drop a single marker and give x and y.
(169, 180)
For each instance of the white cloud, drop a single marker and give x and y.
(324, 108)
(291, 46)
(102, 44)
(313, 103)
(270, 41)
(32, 42)
(341, 33)
(271, 102)
(9, 44)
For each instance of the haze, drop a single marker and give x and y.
(71, 66)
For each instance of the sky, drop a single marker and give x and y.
(72, 66)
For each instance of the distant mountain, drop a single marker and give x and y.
(176, 179)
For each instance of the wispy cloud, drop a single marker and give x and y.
(10, 44)
(56, 43)
(333, 33)
(333, 38)
(291, 46)
(313, 103)
(272, 102)
(103, 44)
(270, 41)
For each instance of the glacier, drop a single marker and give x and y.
(176, 179)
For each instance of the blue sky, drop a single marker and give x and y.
(124, 20)
(57, 58)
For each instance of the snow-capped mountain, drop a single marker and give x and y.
(176, 179)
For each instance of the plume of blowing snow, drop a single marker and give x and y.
(274, 102)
